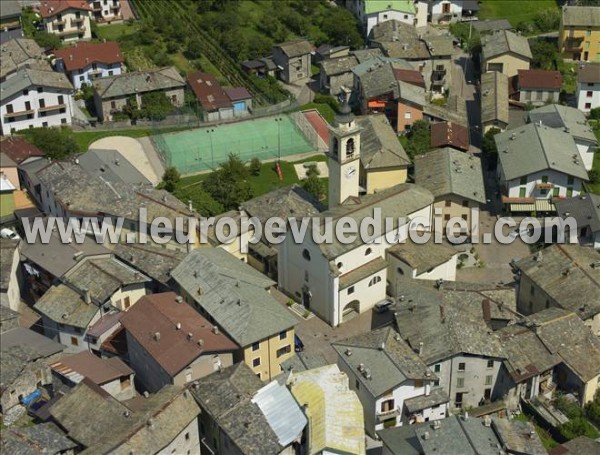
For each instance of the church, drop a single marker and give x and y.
(337, 280)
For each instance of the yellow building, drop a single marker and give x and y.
(579, 35)
(236, 298)
(505, 52)
(383, 161)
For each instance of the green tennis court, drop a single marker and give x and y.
(205, 148)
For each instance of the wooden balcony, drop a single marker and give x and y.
(386, 415)
(18, 113)
(52, 108)
(544, 186)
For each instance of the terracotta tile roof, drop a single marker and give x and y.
(84, 54)
(449, 134)
(18, 149)
(208, 91)
(540, 79)
(410, 76)
(175, 348)
(50, 8)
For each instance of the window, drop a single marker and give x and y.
(589, 94)
(448, 204)
(282, 335)
(374, 281)
(570, 180)
(74, 341)
(255, 346)
(284, 350)
(523, 181)
(61, 99)
(436, 383)
(42, 114)
(490, 364)
(464, 217)
(306, 254)
(40, 90)
(555, 192)
(9, 109)
(488, 380)
(187, 436)
(588, 106)
(259, 376)
(387, 405)
(408, 115)
(522, 192)
(569, 192)
(406, 16)
(487, 394)
(111, 72)
(418, 383)
(385, 16)
(126, 302)
(543, 192)
(256, 362)
(174, 99)
(465, 203)
(446, 217)
(81, 78)
(462, 366)
(588, 33)
(351, 290)
(25, 92)
(356, 384)
(460, 382)
(27, 105)
(350, 148)
(437, 368)
(544, 179)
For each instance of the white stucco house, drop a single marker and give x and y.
(537, 164)
(69, 19)
(35, 97)
(371, 13)
(393, 384)
(337, 279)
(588, 87)
(445, 11)
(85, 62)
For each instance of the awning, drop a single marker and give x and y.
(544, 205)
(522, 207)
(378, 104)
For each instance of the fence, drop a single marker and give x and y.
(308, 131)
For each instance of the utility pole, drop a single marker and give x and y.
(212, 152)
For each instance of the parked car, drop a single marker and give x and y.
(383, 306)
(9, 234)
(298, 344)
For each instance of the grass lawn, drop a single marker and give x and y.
(115, 31)
(267, 180)
(324, 109)
(569, 72)
(512, 10)
(182, 63)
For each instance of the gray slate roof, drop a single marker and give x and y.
(448, 171)
(364, 55)
(376, 77)
(422, 257)
(578, 446)
(566, 275)
(447, 323)
(30, 77)
(146, 427)
(37, 345)
(494, 97)
(379, 145)
(437, 396)
(166, 78)
(56, 257)
(502, 42)
(398, 40)
(233, 294)
(395, 202)
(567, 118)
(227, 396)
(585, 209)
(389, 367)
(564, 334)
(295, 48)
(111, 166)
(8, 249)
(533, 148)
(301, 361)
(29, 440)
(492, 25)
(582, 16)
(340, 65)
(17, 52)
(154, 261)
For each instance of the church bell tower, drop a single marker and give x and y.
(344, 155)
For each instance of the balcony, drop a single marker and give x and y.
(18, 113)
(387, 415)
(77, 20)
(51, 108)
(71, 31)
(544, 186)
(94, 72)
(58, 22)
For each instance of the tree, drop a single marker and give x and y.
(255, 166)
(488, 144)
(155, 106)
(419, 139)
(202, 202)
(56, 143)
(544, 54)
(194, 48)
(595, 113)
(341, 27)
(314, 185)
(170, 179)
(547, 20)
(229, 185)
(47, 40)
(312, 170)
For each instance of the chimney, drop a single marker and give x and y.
(426, 435)
(87, 297)
(200, 342)
(421, 348)
(215, 330)
(179, 299)
(178, 326)
(190, 336)
(156, 336)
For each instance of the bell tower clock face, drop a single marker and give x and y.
(350, 172)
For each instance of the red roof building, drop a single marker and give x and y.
(410, 77)
(539, 80)
(50, 8)
(19, 150)
(169, 342)
(209, 92)
(84, 54)
(448, 134)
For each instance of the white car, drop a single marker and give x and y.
(9, 234)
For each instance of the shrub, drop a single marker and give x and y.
(327, 99)
(595, 113)
(170, 178)
(255, 166)
(594, 176)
